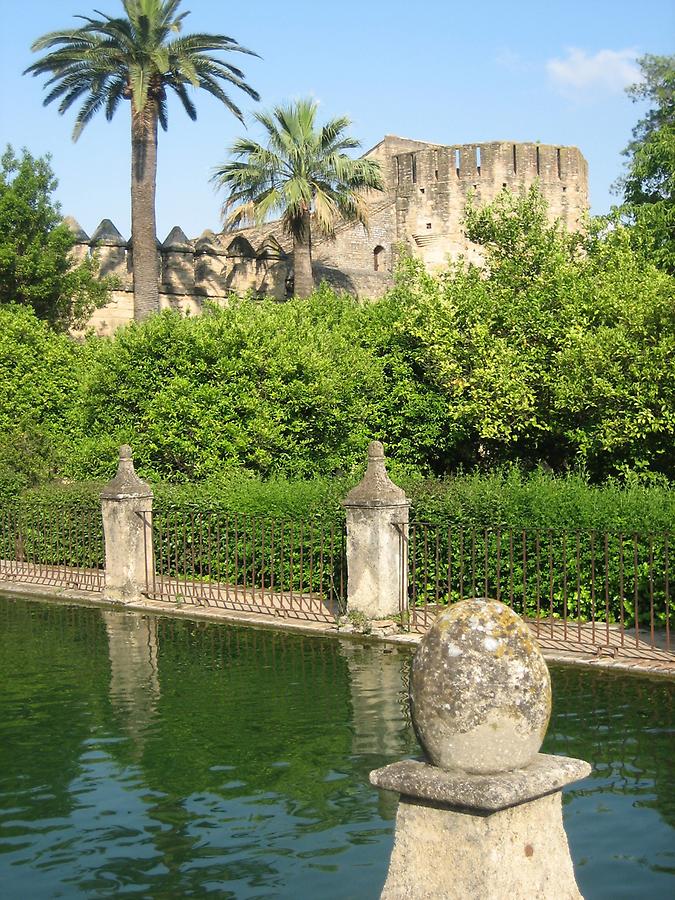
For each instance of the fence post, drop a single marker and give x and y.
(377, 514)
(481, 816)
(126, 508)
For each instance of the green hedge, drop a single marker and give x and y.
(547, 514)
(579, 575)
(509, 498)
(506, 498)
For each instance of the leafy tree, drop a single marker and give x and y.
(137, 58)
(303, 173)
(35, 266)
(649, 183)
(557, 353)
(38, 392)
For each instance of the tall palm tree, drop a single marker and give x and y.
(304, 174)
(136, 58)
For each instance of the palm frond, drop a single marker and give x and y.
(88, 110)
(188, 105)
(301, 168)
(138, 55)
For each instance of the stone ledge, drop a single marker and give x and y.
(634, 666)
(480, 793)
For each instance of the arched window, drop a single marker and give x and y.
(378, 257)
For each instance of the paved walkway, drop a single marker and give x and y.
(556, 645)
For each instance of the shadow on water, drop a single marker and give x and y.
(163, 758)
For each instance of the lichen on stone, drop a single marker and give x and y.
(480, 691)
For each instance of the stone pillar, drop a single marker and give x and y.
(481, 815)
(377, 532)
(126, 507)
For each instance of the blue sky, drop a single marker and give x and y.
(438, 71)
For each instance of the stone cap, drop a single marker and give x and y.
(107, 235)
(486, 793)
(177, 241)
(126, 484)
(270, 248)
(77, 230)
(376, 487)
(207, 242)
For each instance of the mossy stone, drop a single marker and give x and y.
(480, 690)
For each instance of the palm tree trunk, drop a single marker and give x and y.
(302, 258)
(143, 224)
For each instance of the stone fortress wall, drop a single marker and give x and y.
(427, 187)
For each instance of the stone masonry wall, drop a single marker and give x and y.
(427, 189)
(433, 186)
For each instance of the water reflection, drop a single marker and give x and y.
(167, 758)
(134, 673)
(379, 701)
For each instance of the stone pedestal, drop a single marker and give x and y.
(126, 508)
(377, 513)
(482, 817)
(484, 836)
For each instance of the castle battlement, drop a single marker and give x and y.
(427, 188)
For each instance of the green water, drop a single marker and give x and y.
(153, 758)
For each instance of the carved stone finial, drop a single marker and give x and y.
(376, 487)
(126, 483)
(107, 235)
(480, 691)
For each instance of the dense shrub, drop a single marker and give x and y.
(292, 390)
(558, 354)
(38, 395)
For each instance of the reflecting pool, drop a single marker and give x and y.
(148, 757)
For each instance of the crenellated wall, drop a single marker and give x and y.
(190, 271)
(432, 187)
(422, 208)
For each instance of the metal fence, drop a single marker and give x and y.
(604, 591)
(53, 545)
(292, 569)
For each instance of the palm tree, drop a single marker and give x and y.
(304, 174)
(137, 58)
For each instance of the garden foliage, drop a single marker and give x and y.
(558, 355)
(36, 269)
(648, 185)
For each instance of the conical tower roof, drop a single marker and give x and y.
(107, 235)
(78, 231)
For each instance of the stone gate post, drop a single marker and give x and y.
(377, 514)
(126, 508)
(481, 815)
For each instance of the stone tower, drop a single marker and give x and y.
(427, 187)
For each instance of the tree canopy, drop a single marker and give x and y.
(559, 352)
(648, 185)
(36, 268)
